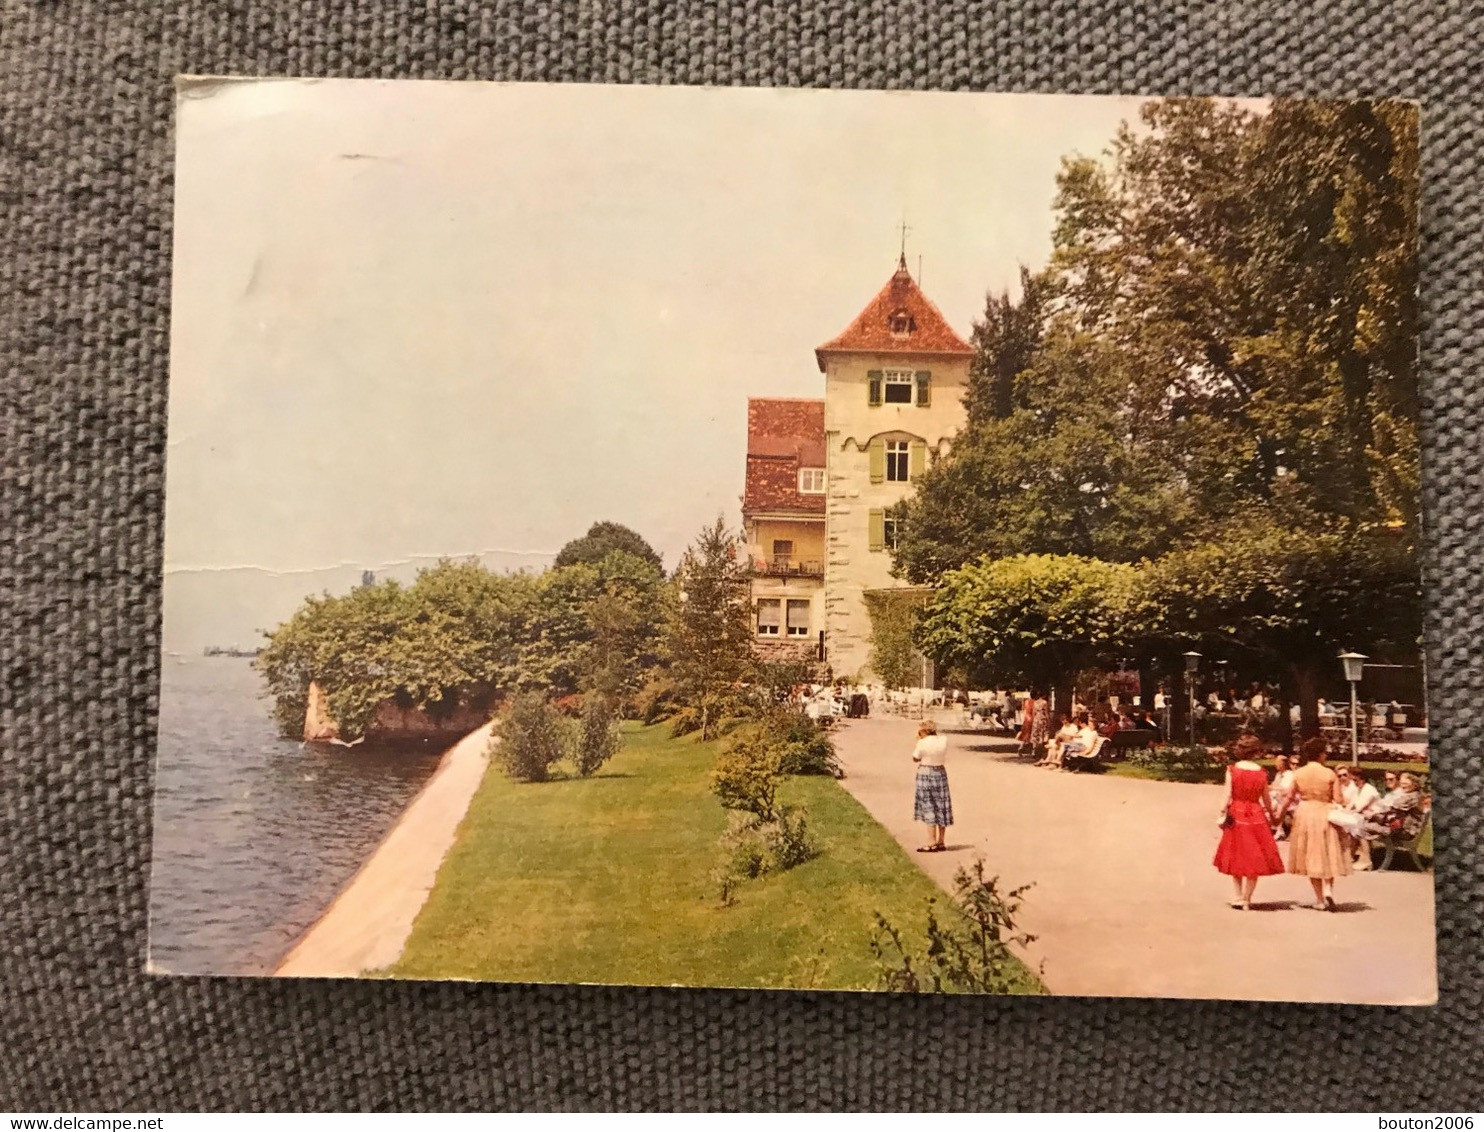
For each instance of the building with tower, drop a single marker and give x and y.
(894, 386)
(783, 507)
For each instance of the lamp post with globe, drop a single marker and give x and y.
(1354, 663)
(1192, 666)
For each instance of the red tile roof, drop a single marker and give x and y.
(871, 332)
(783, 435)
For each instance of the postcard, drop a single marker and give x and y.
(839, 540)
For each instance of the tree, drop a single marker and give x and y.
(601, 540)
(1293, 600)
(1005, 342)
(1229, 324)
(462, 636)
(709, 635)
(1032, 618)
(449, 639)
(894, 657)
(627, 620)
(597, 739)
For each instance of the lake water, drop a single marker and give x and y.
(255, 834)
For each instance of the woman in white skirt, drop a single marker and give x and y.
(932, 804)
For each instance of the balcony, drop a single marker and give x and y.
(787, 567)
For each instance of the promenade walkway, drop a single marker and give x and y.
(367, 926)
(1126, 901)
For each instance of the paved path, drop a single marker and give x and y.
(1126, 901)
(367, 926)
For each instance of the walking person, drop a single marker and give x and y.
(1314, 847)
(1247, 850)
(1034, 729)
(1278, 791)
(932, 804)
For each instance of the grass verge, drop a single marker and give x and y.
(606, 880)
(1122, 769)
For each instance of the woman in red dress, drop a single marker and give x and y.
(1247, 850)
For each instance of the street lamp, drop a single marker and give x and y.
(1192, 666)
(1354, 663)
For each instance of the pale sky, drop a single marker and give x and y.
(421, 318)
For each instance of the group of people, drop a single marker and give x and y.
(1328, 817)
(1079, 735)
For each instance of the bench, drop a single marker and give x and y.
(1139, 738)
(1091, 759)
(1414, 847)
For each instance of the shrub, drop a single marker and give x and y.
(805, 748)
(569, 707)
(968, 954)
(598, 737)
(657, 700)
(788, 838)
(685, 721)
(1179, 764)
(530, 735)
(752, 847)
(746, 775)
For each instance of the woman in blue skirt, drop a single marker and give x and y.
(932, 806)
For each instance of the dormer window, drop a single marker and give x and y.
(811, 481)
(901, 323)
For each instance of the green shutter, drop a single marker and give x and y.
(878, 528)
(917, 454)
(873, 380)
(877, 449)
(924, 388)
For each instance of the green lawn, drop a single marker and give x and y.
(606, 880)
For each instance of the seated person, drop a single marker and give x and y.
(1088, 739)
(1144, 723)
(1081, 739)
(1064, 734)
(1399, 812)
(1360, 795)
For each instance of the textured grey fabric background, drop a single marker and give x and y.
(85, 175)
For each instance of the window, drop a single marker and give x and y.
(768, 612)
(899, 387)
(902, 323)
(798, 618)
(892, 531)
(897, 460)
(811, 481)
(783, 550)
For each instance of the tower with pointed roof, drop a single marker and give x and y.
(895, 381)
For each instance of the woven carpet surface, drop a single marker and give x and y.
(85, 181)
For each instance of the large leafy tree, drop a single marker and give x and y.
(452, 637)
(626, 624)
(462, 636)
(709, 635)
(1032, 618)
(1005, 341)
(1290, 600)
(1227, 323)
(1222, 383)
(601, 540)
